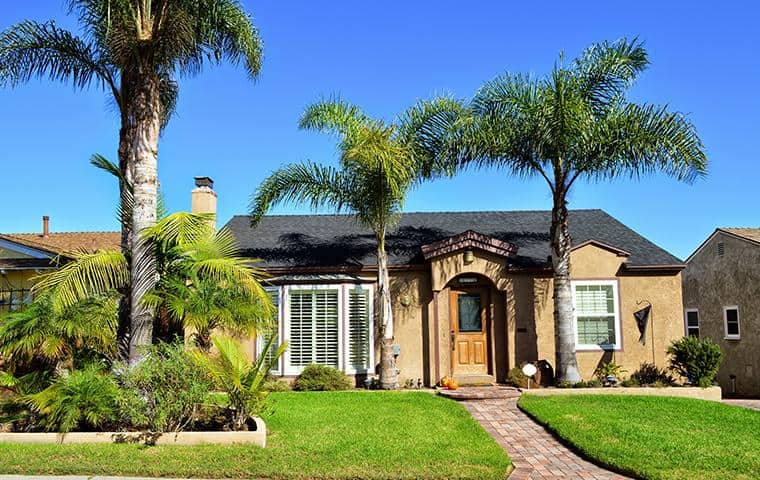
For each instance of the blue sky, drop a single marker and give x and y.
(384, 56)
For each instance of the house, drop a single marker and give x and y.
(721, 287)
(26, 255)
(472, 291)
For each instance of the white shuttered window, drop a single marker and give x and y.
(359, 329)
(314, 327)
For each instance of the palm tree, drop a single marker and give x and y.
(574, 123)
(379, 164)
(143, 42)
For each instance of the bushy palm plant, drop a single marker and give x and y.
(86, 398)
(242, 380)
(379, 164)
(575, 123)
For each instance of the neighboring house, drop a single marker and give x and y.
(23, 256)
(472, 291)
(721, 287)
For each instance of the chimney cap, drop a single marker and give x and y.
(204, 182)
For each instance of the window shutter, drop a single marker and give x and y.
(313, 327)
(274, 329)
(358, 329)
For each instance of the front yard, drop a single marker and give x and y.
(311, 435)
(656, 437)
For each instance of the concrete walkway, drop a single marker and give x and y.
(752, 403)
(535, 453)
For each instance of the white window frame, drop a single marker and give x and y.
(738, 335)
(277, 368)
(686, 313)
(616, 302)
(343, 327)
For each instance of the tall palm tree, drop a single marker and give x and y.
(574, 123)
(379, 164)
(130, 47)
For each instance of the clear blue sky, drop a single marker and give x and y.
(385, 56)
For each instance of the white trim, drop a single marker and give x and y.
(277, 369)
(738, 335)
(24, 250)
(616, 303)
(686, 313)
(371, 305)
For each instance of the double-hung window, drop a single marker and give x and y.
(597, 320)
(731, 322)
(691, 317)
(328, 325)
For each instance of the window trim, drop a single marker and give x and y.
(686, 313)
(618, 345)
(347, 287)
(728, 336)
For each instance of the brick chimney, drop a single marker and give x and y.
(45, 226)
(203, 197)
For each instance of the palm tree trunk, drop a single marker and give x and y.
(388, 372)
(567, 364)
(146, 108)
(125, 166)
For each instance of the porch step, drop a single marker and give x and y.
(481, 393)
(474, 380)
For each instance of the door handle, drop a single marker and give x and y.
(452, 340)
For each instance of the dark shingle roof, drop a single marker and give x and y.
(338, 240)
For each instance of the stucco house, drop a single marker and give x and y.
(26, 255)
(721, 289)
(472, 291)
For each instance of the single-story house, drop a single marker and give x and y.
(472, 291)
(23, 256)
(721, 288)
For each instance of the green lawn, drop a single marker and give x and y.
(656, 437)
(311, 435)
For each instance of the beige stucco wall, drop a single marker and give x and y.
(711, 282)
(412, 305)
(662, 291)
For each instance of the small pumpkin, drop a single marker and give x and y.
(446, 381)
(453, 385)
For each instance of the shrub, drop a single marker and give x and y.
(649, 374)
(165, 390)
(516, 377)
(241, 380)
(564, 384)
(580, 384)
(321, 378)
(594, 383)
(698, 360)
(272, 385)
(85, 399)
(606, 369)
(630, 382)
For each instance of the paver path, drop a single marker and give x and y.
(744, 402)
(535, 453)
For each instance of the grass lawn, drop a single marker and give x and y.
(311, 435)
(656, 437)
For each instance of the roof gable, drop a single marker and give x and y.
(465, 240)
(61, 243)
(749, 235)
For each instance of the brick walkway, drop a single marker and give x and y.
(754, 404)
(535, 453)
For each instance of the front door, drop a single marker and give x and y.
(469, 327)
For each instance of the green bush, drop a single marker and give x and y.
(606, 369)
(83, 400)
(321, 378)
(272, 385)
(630, 382)
(698, 360)
(164, 391)
(517, 378)
(649, 374)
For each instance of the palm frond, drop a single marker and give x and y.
(302, 183)
(334, 116)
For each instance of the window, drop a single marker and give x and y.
(470, 317)
(692, 322)
(329, 325)
(731, 322)
(14, 300)
(597, 323)
(274, 329)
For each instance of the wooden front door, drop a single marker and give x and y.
(469, 327)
